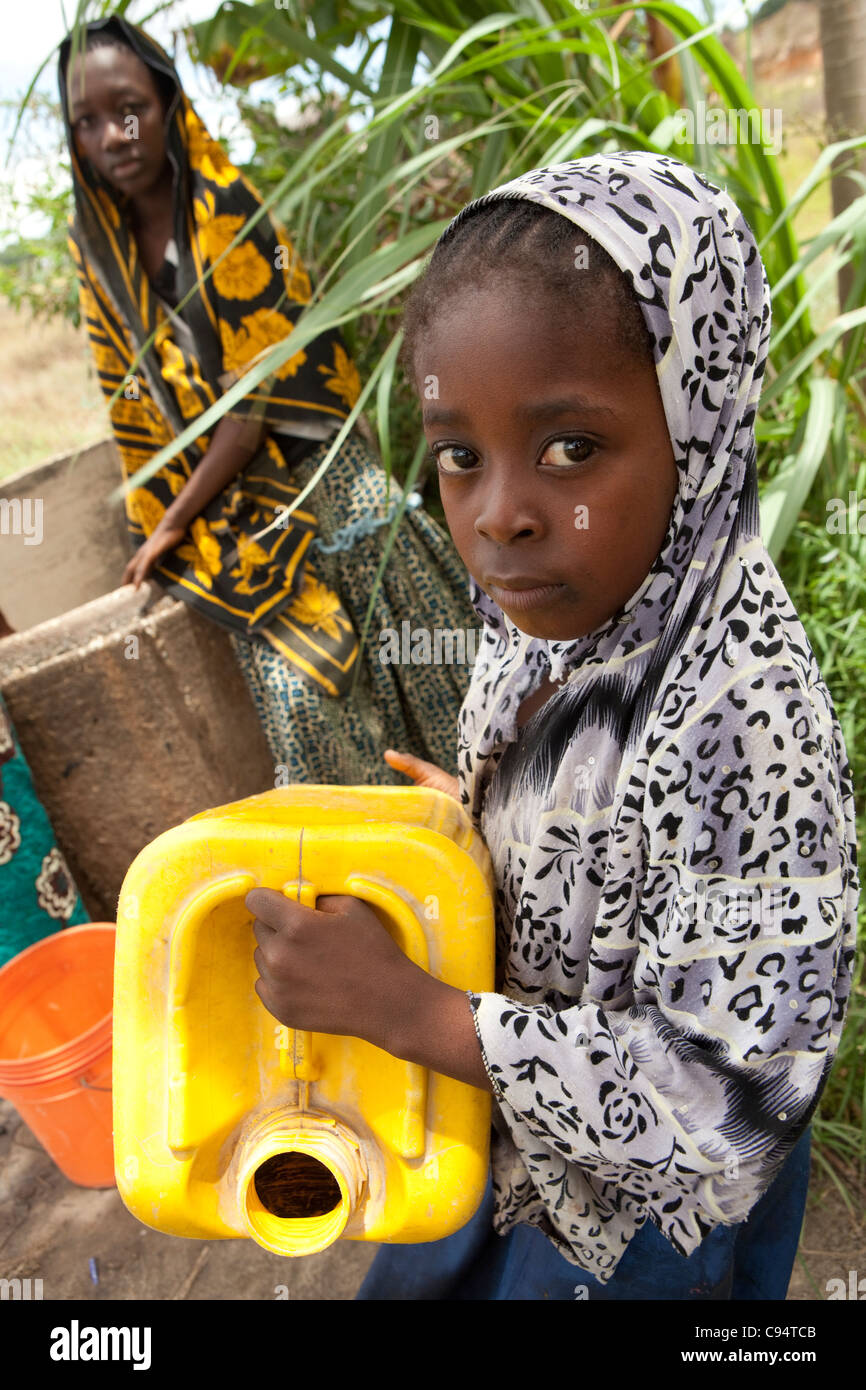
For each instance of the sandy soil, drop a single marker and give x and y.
(51, 1230)
(50, 401)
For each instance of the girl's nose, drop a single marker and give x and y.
(507, 515)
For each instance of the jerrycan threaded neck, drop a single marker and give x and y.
(300, 1177)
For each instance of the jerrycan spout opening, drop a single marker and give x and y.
(301, 1178)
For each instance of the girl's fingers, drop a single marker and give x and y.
(408, 763)
(337, 903)
(423, 774)
(398, 759)
(268, 907)
(262, 932)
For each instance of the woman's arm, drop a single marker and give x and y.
(234, 443)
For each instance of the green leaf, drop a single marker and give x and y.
(362, 284)
(383, 399)
(783, 497)
(825, 341)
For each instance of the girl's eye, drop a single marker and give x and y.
(451, 458)
(563, 452)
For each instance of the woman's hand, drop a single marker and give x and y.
(165, 537)
(423, 774)
(333, 968)
(234, 443)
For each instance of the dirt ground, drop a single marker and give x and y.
(51, 1230)
(50, 401)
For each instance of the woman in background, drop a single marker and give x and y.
(158, 203)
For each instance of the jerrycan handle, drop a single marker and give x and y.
(296, 1056)
(179, 1135)
(295, 1049)
(296, 1044)
(411, 1137)
(296, 1059)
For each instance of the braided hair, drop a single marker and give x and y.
(539, 250)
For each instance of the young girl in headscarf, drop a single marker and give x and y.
(647, 747)
(157, 206)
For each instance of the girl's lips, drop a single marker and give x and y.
(539, 596)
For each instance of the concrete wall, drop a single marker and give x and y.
(130, 723)
(83, 548)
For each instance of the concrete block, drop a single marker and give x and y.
(131, 723)
(61, 542)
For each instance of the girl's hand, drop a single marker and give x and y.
(423, 774)
(333, 968)
(165, 537)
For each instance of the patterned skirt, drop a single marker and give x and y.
(416, 660)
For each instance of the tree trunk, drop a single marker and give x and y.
(668, 74)
(843, 41)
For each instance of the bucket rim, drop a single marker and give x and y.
(76, 1055)
(45, 942)
(79, 1052)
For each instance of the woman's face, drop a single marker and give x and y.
(555, 465)
(117, 117)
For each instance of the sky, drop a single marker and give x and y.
(34, 28)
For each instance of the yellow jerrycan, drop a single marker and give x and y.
(226, 1123)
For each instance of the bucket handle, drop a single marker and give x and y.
(88, 1087)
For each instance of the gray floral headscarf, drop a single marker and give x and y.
(673, 833)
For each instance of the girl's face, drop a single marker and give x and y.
(117, 118)
(555, 466)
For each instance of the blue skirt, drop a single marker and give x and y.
(752, 1260)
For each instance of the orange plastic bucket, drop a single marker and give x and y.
(55, 1047)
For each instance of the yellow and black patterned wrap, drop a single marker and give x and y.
(264, 588)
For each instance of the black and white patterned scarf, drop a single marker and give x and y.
(673, 833)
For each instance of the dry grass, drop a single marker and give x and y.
(50, 401)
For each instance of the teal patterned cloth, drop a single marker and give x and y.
(37, 894)
(409, 705)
